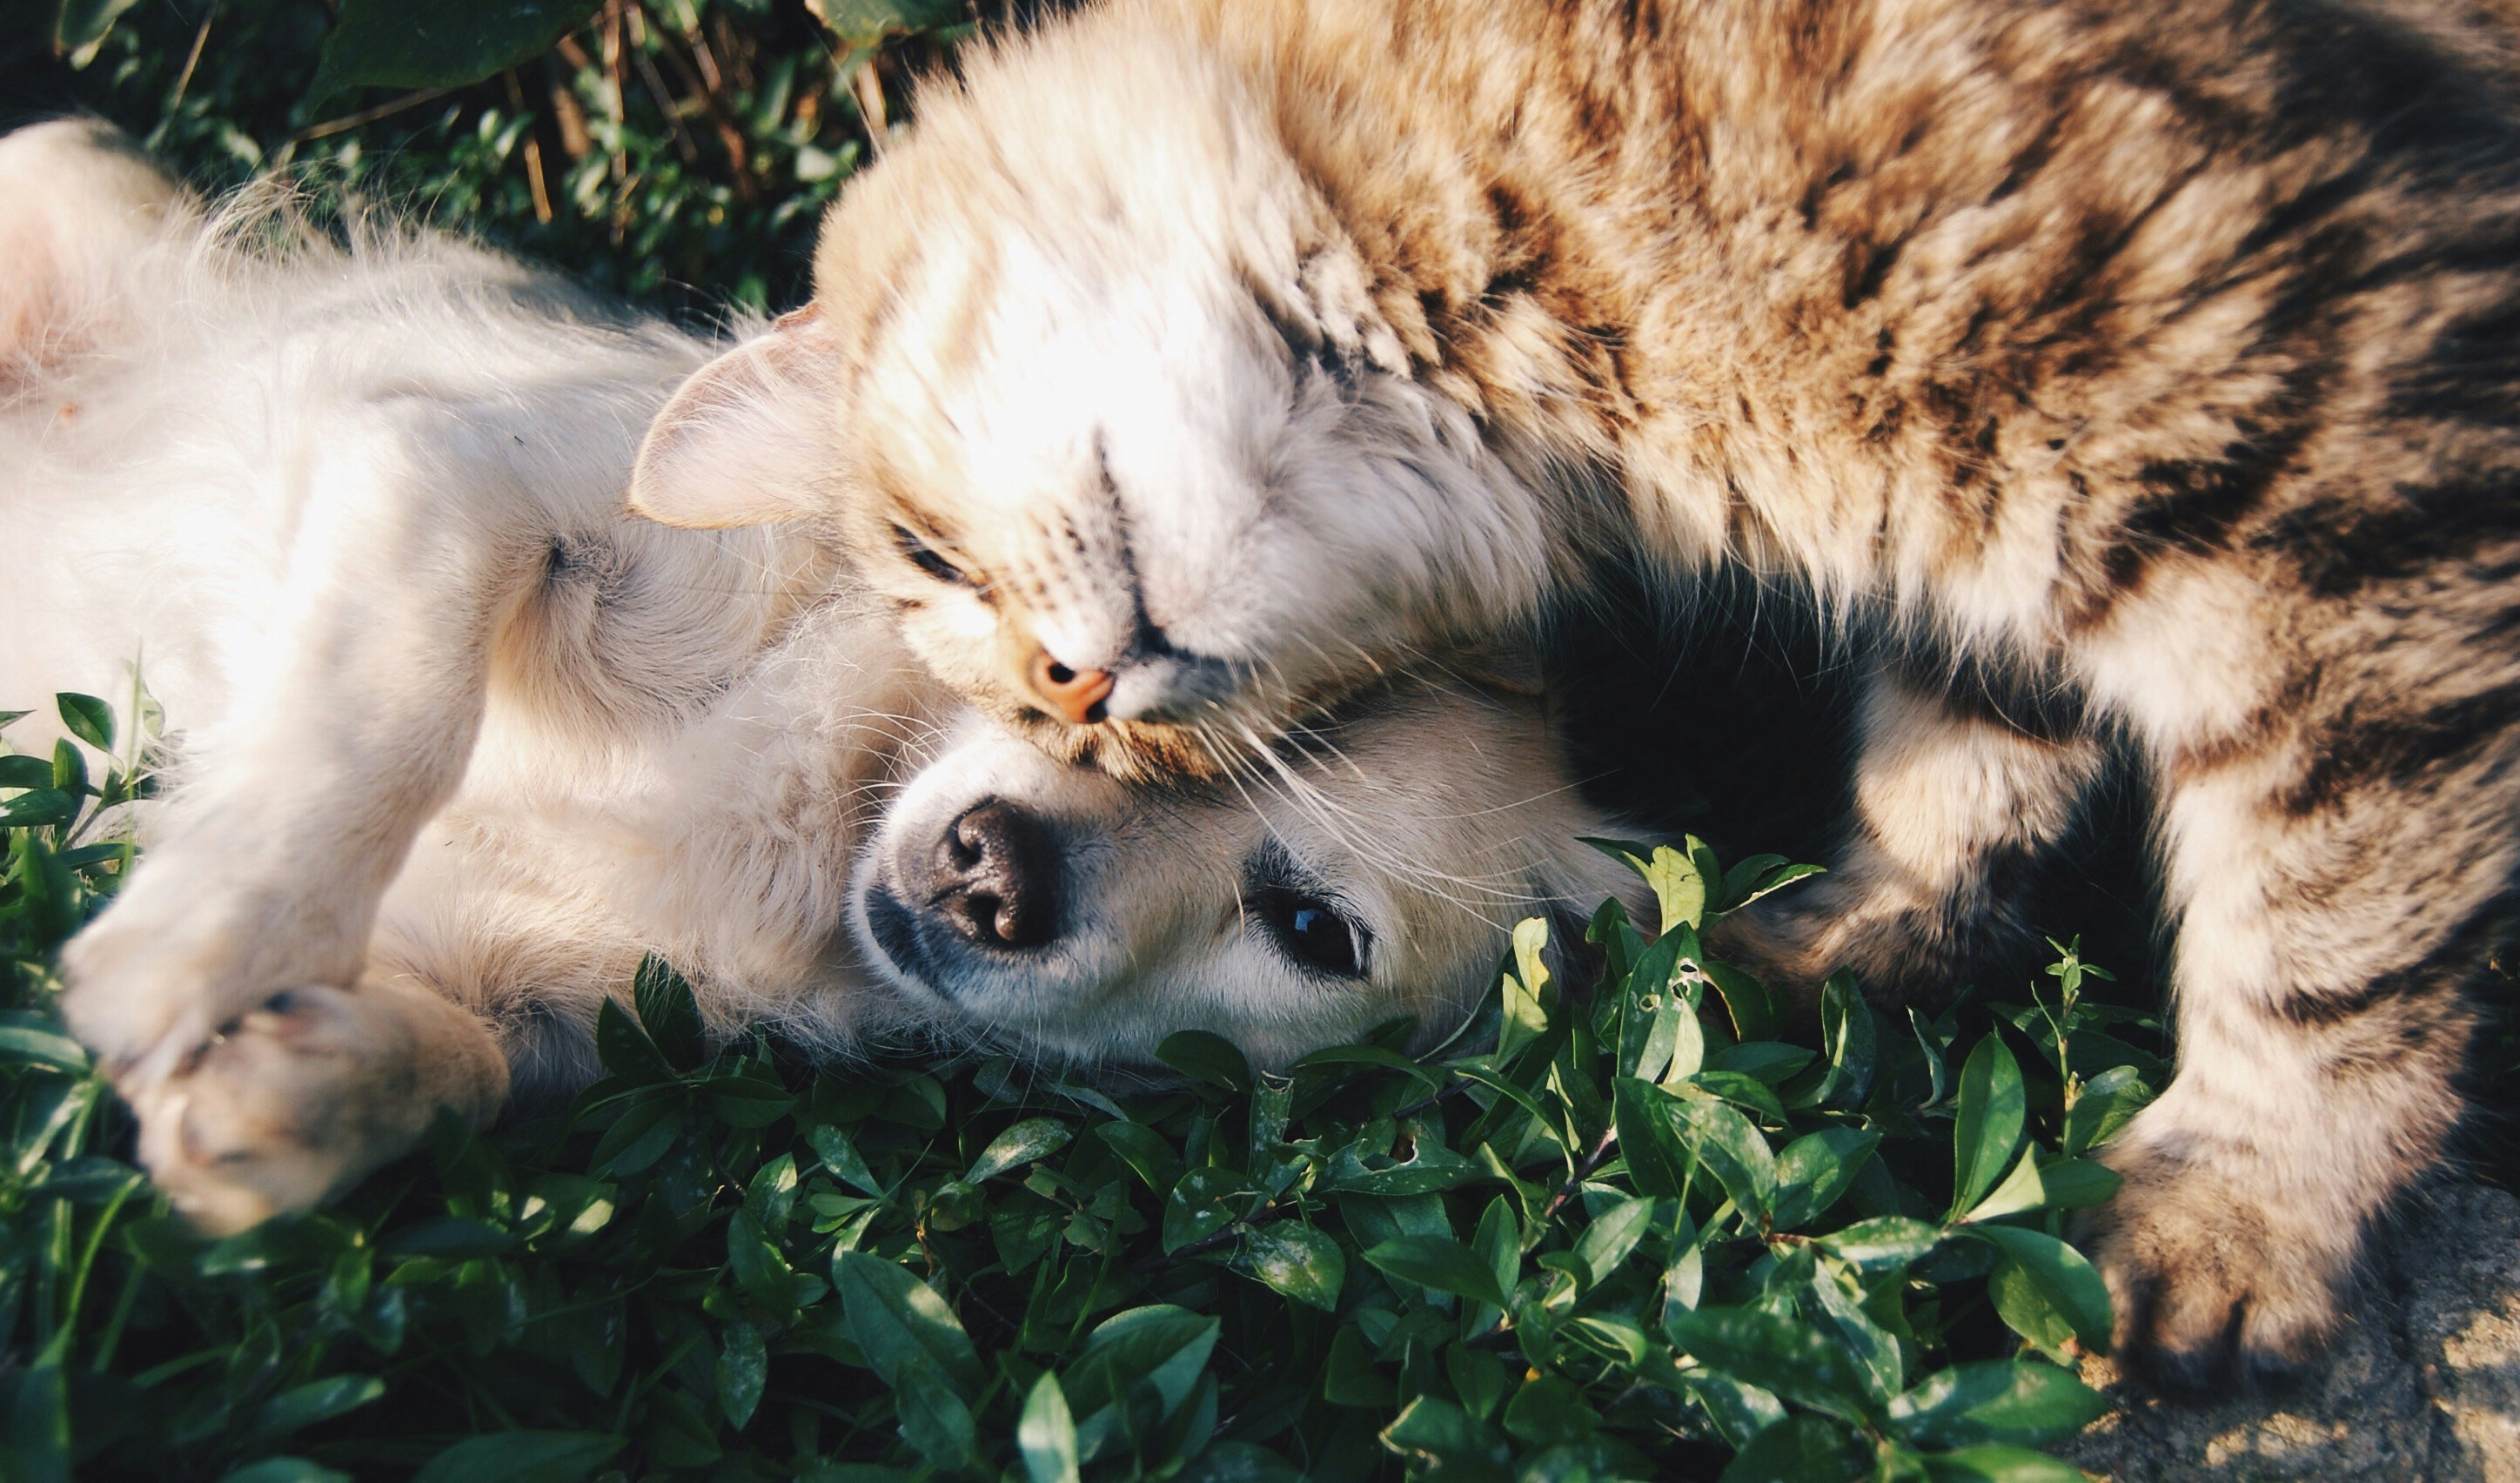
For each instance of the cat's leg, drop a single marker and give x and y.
(2338, 885)
(294, 810)
(1952, 798)
(301, 1097)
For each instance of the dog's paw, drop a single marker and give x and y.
(2214, 1279)
(287, 1106)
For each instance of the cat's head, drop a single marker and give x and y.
(1100, 399)
(1373, 870)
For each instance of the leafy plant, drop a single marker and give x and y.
(654, 146)
(1652, 1231)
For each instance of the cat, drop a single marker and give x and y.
(2120, 378)
(458, 742)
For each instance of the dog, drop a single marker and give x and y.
(458, 742)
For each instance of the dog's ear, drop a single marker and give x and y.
(746, 439)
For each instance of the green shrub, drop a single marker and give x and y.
(1624, 1235)
(678, 152)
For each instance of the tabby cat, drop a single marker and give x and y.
(2135, 378)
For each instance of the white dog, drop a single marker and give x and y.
(460, 742)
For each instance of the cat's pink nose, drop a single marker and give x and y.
(1075, 693)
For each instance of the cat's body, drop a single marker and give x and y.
(2137, 375)
(456, 742)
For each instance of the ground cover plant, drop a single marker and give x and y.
(1643, 1231)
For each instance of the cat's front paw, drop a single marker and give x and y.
(2216, 1279)
(294, 1101)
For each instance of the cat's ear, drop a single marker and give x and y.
(746, 439)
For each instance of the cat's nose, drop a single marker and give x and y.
(1075, 693)
(996, 878)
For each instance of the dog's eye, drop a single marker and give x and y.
(1312, 931)
(924, 556)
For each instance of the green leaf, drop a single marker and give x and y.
(1550, 1412)
(1206, 1058)
(1047, 1434)
(2075, 1184)
(88, 718)
(1882, 1243)
(869, 23)
(38, 807)
(1988, 1127)
(1613, 1233)
(1679, 886)
(1029, 1139)
(1144, 1151)
(1853, 1043)
(1526, 1016)
(1659, 1161)
(625, 1048)
(1441, 1263)
(742, 1369)
(2044, 1283)
(1162, 1344)
(27, 1036)
(2015, 1400)
(76, 30)
(1428, 1170)
(2108, 1102)
(447, 44)
(19, 771)
(1443, 1432)
(840, 1156)
(304, 1405)
(1348, 1376)
(1296, 1260)
(1768, 883)
(1724, 1140)
(521, 1456)
(936, 1418)
(669, 1013)
(1371, 1055)
(1815, 1171)
(284, 1470)
(1753, 1013)
(895, 1318)
(1798, 1450)
(1999, 1464)
(1777, 1355)
(1498, 1243)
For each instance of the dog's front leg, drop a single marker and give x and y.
(411, 541)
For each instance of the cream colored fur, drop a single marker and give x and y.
(456, 744)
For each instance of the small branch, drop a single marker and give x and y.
(871, 108)
(1594, 1160)
(347, 121)
(192, 60)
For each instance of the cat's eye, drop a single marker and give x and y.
(1312, 931)
(926, 557)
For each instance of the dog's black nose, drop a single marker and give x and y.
(996, 879)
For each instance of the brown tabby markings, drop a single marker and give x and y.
(2135, 375)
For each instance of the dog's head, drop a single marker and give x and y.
(1375, 871)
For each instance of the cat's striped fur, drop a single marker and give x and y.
(2136, 374)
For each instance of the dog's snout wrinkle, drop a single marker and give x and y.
(995, 879)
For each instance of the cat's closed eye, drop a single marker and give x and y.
(928, 560)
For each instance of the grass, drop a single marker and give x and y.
(1640, 1232)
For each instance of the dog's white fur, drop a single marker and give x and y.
(458, 741)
